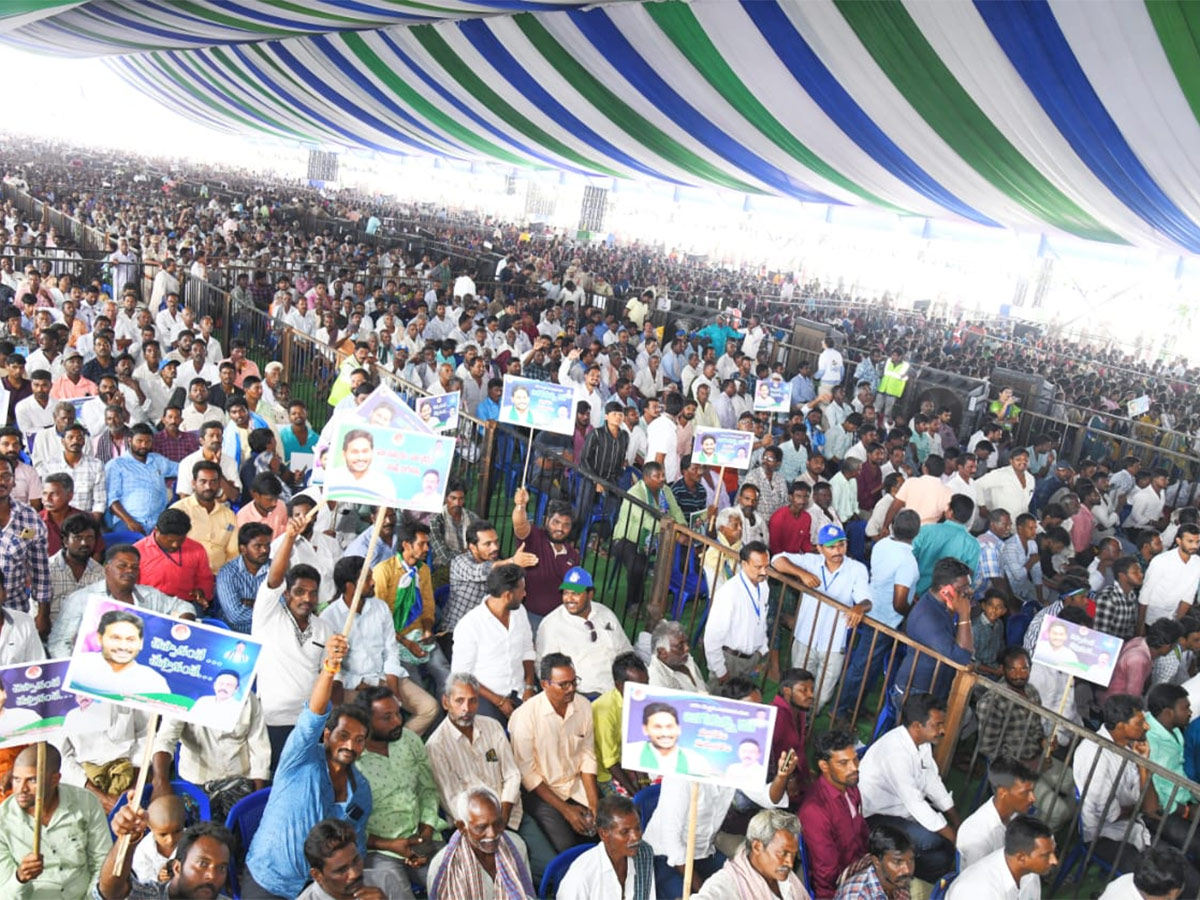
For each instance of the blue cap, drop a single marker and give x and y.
(577, 579)
(830, 534)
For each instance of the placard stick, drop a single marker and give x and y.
(139, 788)
(1062, 704)
(362, 576)
(690, 859)
(39, 798)
(528, 456)
(720, 487)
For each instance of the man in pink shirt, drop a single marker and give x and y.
(1136, 659)
(72, 384)
(926, 495)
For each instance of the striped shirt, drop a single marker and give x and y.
(63, 582)
(487, 758)
(235, 583)
(91, 494)
(604, 455)
(24, 562)
(468, 587)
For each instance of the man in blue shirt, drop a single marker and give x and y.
(239, 579)
(893, 574)
(803, 392)
(950, 538)
(941, 621)
(488, 409)
(136, 483)
(316, 779)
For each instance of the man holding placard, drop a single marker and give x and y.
(74, 838)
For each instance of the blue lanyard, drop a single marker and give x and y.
(825, 584)
(753, 596)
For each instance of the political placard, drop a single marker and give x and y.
(719, 447)
(384, 408)
(772, 396)
(439, 412)
(538, 404)
(696, 736)
(1139, 406)
(387, 467)
(142, 659)
(33, 701)
(1077, 650)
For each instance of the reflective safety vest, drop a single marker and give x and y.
(894, 379)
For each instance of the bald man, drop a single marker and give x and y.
(75, 836)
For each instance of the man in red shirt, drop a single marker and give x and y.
(790, 528)
(58, 490)
(831, 817)
(794, 702)
(174, 563)
(1131, 674)
(556, 555)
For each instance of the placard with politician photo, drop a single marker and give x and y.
(721, 447)
(1077, 650)
(698, 736)
(33, 701)
(538, 404)
(384, 408)
(439, 412)
(139, 658)
(772, 395)
(386, 467)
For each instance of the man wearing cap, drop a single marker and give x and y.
(588, 632)
(735, 637)
(72, 384)
(819, 636)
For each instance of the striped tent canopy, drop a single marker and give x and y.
(1045, 115)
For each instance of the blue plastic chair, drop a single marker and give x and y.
(1078, 853)
(558, 868)
(122, 801)
(645, 802)
(243, 821)
(215, 623)
(886, 719)
(943, 885)
(113, 538)
(805, 871)
(181, 787)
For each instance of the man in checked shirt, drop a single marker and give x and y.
(24, 561)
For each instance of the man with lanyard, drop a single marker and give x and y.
(819, 636)
(735, 638)
(404, 582)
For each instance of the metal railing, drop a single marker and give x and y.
(1018, 711)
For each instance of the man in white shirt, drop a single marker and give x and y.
(1159, 876)
(293, 636)
(494, 642)
(1008, 488)
(617, 866)
(1169, 588)
(36, 411)
(587, 389)
(662, 437)
(1013, 872)
(982, 832)
(374, 657)
(589, 633)
(735, 637)
(901, 787)
(1146, 505)
(819, 637)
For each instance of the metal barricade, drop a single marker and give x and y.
(1019, 712)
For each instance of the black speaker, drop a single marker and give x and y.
(1033, 392)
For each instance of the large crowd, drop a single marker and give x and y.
(466, 734)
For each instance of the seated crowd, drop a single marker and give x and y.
(467, 731)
